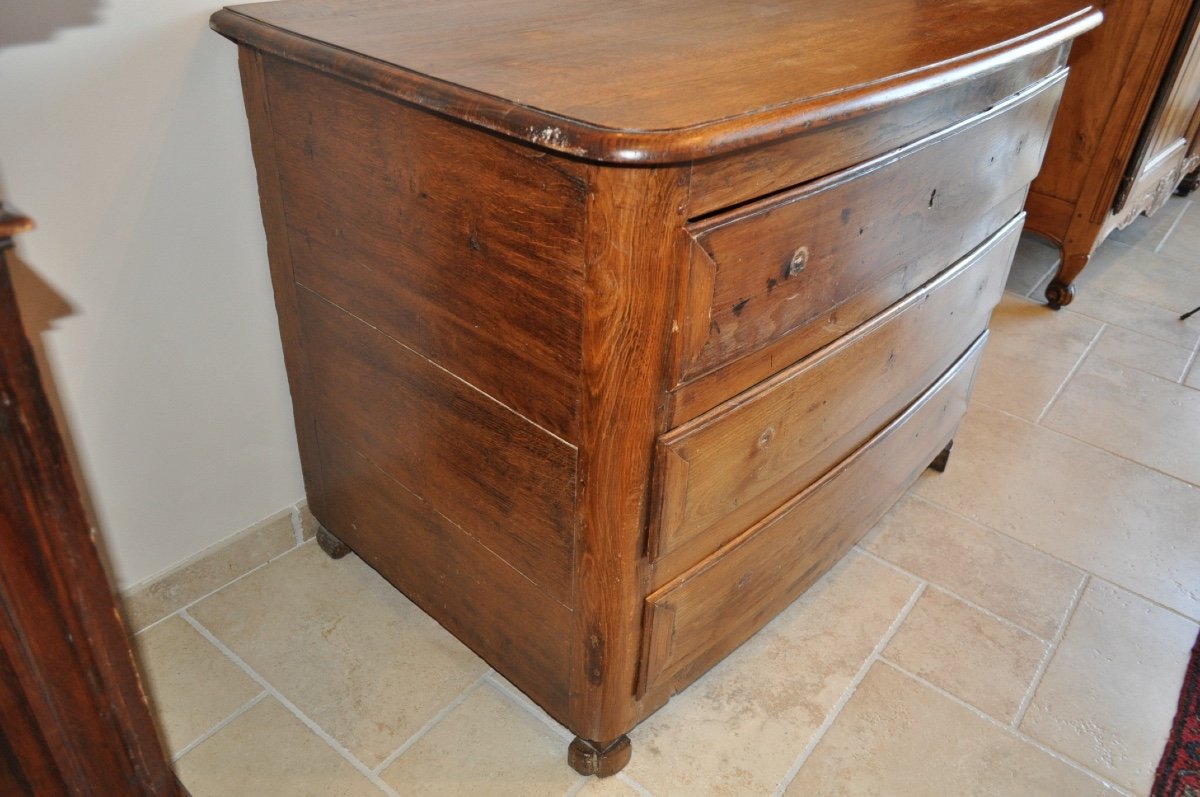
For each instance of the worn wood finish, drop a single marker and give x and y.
(719, 183)
(697, 619)
(481, 599)
(668, 81)
(425, 429)
(283, 281)
(414, 251)
(635, 243)
(73, 715)
(764, 270)
(730, 468)
(1115, 152)
(484, 221)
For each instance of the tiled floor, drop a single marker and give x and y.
(1016, 626)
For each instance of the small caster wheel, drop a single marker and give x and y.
(1059, 294)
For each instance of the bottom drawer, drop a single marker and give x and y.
(697, 619)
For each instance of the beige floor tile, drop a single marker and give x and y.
(973, 656)
(1147, 232)
(350, 651)
(1193, 377)
(1184, 241)
(608, 787)
(1140, 274)
(738, 730)
(1029, 355)
(1107, 515)
(212, 568)
(267, 752)
(1140, 351)
(486, 745)
(1109, 695)
(1129, 412)
(192, 685)
(1148, 319)
(1032, 263)
(1000, 574)
(899, 738)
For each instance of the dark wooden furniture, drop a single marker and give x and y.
(1126, 135)
(611, 327)
(73, 716)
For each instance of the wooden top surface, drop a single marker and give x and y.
(654, 80)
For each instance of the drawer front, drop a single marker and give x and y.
(760, 272)
(700, 617)
(731, 467)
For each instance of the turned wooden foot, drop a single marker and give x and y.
(601, 760)
(1059, 294)
(330, 544)
(941, 460)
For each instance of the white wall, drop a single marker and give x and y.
(122, 133)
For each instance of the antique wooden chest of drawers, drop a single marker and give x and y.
(611, 327)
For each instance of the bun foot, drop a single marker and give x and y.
(601, 760)
(1059, 294)
(331, 545)
(943, 459)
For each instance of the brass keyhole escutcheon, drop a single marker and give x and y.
(797, 263)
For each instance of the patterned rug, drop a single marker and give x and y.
(1179, 771)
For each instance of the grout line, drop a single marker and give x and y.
(297, 525)
(1049, 654)
(290, 706)
(1070, 374)
(212, 592)
(1049, 272)
(1024, 737)
(428, 726)
(953, 594)
(1063, 561)
(202, 738)
(851, 688)
(1171, 229)
(576, 787)
(518, 697)
(1088, 443)
(633, 784)
(1190, 364)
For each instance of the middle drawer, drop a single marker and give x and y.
(727, 469)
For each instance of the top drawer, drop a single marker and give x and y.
(760, 272)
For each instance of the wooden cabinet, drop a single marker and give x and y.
(611, 327)
(1126, 136)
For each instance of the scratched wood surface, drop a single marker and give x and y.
(696, 620)
(486, 319)
(666, 80)
(730, 468)
(760, 272)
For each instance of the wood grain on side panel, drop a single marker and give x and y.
(461, 245)
(480, 598)
(503, 480)
(279, 254)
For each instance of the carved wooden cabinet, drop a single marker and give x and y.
(611, 327)
(1126, 135)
